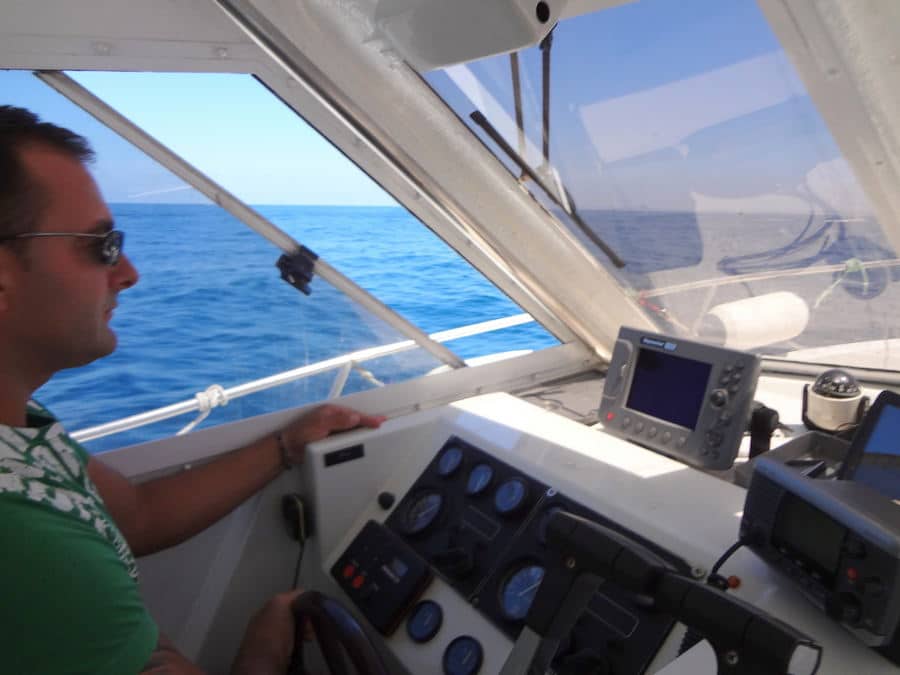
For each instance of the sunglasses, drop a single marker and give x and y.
(108, 249)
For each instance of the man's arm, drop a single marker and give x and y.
(266, 649)
(166, 511)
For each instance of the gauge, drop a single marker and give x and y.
(479, 479)
(424, 621)
(422, 512)
(450, 461)
(510, 496)
(463, 656)
(518, 591)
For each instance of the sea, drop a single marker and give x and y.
(211, 309)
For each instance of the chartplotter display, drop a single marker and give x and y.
(685, 399)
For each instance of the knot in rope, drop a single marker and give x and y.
(213, 396)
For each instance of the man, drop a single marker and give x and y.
(69, 524)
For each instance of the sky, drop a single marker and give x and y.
(656, 105)
(229, 126)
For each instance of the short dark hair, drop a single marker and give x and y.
(21, 198)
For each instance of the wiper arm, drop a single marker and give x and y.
(569, 207)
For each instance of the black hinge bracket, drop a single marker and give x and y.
(297, 268)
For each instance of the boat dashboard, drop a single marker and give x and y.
(432, 530)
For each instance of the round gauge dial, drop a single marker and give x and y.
(518, 591)
(422, 512)
(510, 496)
(450, 461)
(463, 656)
(425, 621)
(479, 479)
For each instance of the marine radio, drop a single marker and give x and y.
(838, 540)
(685, 399)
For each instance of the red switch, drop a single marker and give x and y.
(358, 581)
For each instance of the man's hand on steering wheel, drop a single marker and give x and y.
(269, 640)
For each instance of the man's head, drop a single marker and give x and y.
(56, 295)
(21, 199)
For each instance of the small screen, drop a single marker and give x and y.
(879, 467)
(808, 532)
(668, 387)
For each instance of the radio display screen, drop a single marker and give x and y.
(668, 387)
(805, 531)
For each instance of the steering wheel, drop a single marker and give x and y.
(335, 628)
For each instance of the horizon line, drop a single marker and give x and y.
(835, 215)
(210, 203)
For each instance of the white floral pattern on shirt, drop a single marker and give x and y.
(41, 465)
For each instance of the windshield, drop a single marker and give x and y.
(211, 319)
(680, 137)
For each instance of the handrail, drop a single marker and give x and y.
(342, 363)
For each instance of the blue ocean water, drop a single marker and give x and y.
(210, 308)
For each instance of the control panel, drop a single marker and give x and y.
(684, 399)
(443, 630)
(480, 525)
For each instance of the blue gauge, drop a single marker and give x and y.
(480, 478)
(463, 656)
(424, 621)
(510, 496)
(422, 512)
(450, 461)
(518, 591)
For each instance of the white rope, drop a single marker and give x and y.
(212, 397)
(368, 376)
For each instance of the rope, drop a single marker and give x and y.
(212, 397)
(850, 266)
(368, 376)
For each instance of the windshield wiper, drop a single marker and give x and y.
(569, 205)
(560, 196)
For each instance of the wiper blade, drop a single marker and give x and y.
(568, 207)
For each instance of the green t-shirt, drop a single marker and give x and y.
(68, 580)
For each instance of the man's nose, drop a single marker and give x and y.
(123, 274)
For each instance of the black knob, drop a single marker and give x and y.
(851, 609)
(386, 500)
(845, 607)
(718, 397)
